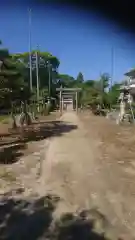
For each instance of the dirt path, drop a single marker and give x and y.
(81, 168)
(72, 172)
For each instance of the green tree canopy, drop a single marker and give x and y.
(46, 61)
(80, 78)
(15, 75)
(66, 80)
(11, 80)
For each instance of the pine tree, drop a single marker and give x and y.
(80, 78)
(12, 85)
(10, 78)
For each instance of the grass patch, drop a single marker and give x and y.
(7, 176)
(4, 119)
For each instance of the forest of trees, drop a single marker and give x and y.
(15, 80)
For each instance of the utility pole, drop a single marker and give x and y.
(112, 72)
(49, 83)
(112, 67)
(37, 75)
(30, 61)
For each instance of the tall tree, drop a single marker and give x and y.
(10, 77)
(80, 78)
(12, 85)
(66, 80)
(104, 81)
(113, 94)
(47, 63)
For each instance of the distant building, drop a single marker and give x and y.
(130, 74)
(130, 77)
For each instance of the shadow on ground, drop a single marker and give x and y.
(13, 148)
(22, 219)
(33, 220)
(10, 154)
(45, 130)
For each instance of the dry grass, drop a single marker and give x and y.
(7, 175)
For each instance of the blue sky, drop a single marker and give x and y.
(82, 41)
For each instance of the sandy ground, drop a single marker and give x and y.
(85, 166)
(75, 172)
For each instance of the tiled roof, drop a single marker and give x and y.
(129, 73)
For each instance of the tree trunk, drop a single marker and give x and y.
(14, 125)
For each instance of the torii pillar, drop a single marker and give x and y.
(60, 100)
(76, 98)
